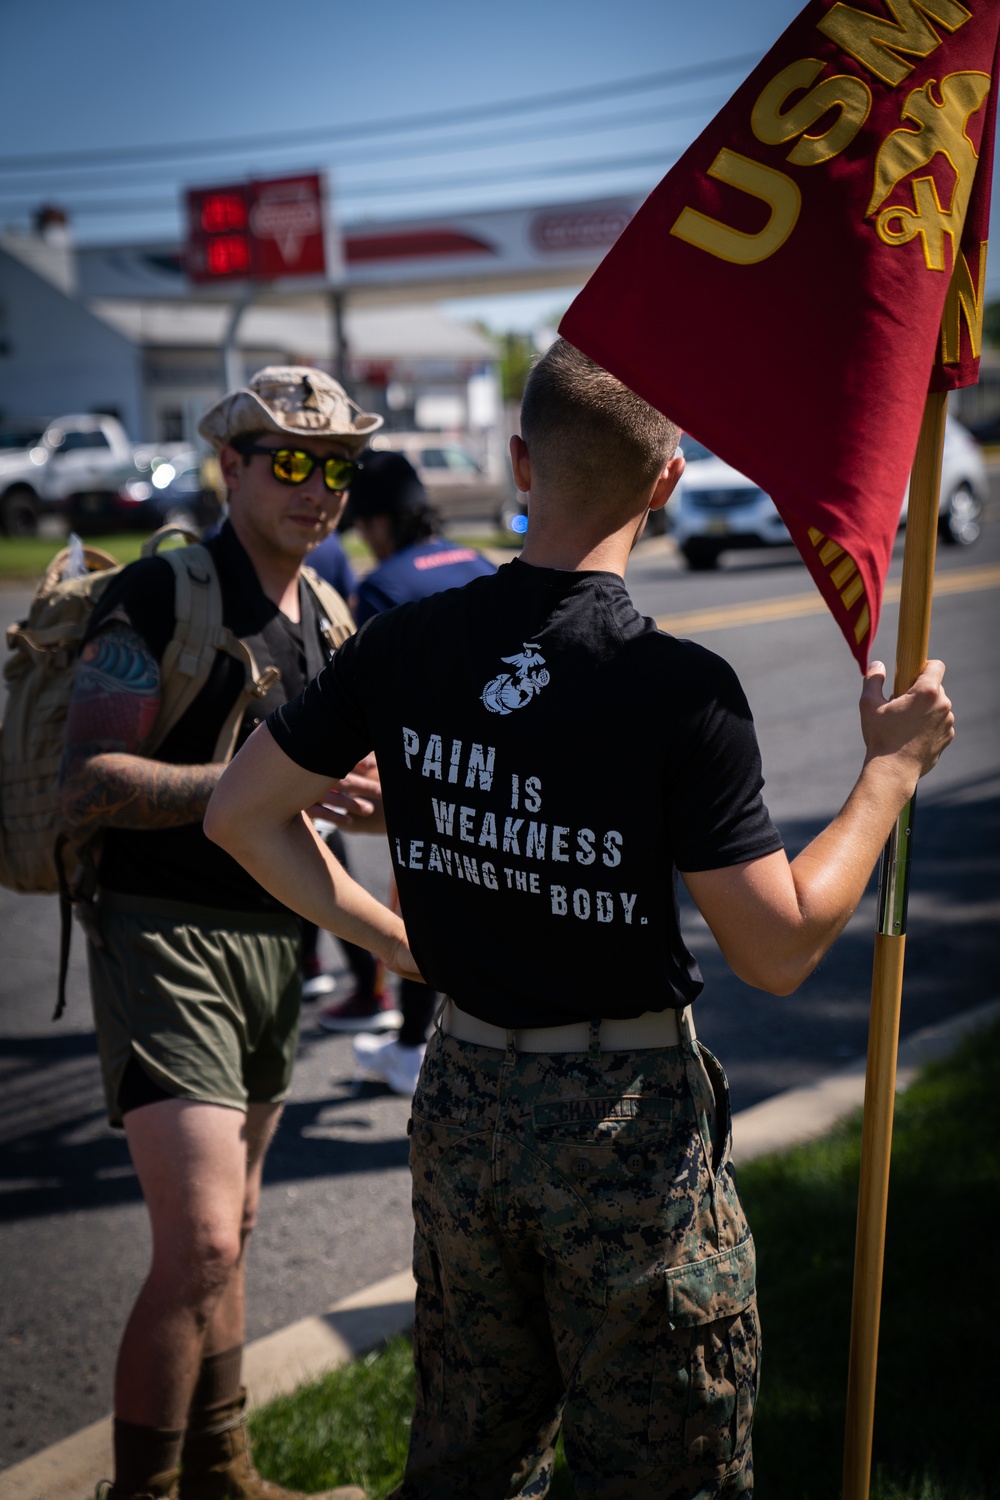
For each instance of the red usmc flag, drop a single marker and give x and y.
(811, 266)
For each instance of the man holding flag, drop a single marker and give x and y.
(581, 1251)
(832, 222)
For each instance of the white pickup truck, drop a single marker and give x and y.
(72, 453)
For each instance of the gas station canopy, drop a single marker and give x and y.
(385, 262)
(503, 250)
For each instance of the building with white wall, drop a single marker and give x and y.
(55, 354)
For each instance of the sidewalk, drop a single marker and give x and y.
(305, 1350)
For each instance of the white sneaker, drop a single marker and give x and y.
(384, 1059)
(319, 984)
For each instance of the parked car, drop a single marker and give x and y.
(19, 437)
(715, 508)
(458, 486)
(144, 496)
(72, 451)
(987, 431)
(964, 488)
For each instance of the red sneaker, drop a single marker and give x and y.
(361, 1013)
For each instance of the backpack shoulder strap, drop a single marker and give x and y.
(256, 684)
(336, 622)
(197, 636)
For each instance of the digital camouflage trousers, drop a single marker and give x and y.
(582, 1259)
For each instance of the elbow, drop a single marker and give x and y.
(231, 823)
(785, 983)
(772, 984)
(777, 962)
(75, 808)
(219, 824)
(776, 976)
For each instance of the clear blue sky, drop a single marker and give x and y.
(116, 73)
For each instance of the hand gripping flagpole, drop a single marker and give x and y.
(887, 975)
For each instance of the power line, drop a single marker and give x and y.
(478, 142)
(418, 185)
(511, 174)
(226, 146)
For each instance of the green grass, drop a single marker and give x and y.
(936, 1412)
(352, 1427)
(935, 1418)
(349, 1428)
(23, 559)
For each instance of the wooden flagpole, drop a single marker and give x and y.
(887, 976)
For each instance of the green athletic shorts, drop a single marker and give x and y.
(206, 1000)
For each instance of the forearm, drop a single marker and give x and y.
(774, 920)
(117, 790)
(293, 864)
(256, 816)
(830, 876)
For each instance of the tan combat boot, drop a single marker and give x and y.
(216, 1464)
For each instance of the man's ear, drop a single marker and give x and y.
(230, 464)
(667, 482)
(520, 462)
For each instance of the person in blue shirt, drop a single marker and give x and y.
(391, 512)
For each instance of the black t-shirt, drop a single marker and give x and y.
(549, 760)
(181, 864)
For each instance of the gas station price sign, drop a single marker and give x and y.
(260, 230)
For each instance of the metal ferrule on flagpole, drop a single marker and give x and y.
(894, 875)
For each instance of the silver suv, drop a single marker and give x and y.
(715, 508)
(457, 485)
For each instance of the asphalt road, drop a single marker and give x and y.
(73, 1238)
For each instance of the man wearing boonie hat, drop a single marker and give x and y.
(194, 967)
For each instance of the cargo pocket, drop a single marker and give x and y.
(707, 1360)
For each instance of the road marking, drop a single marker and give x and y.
(795, 606)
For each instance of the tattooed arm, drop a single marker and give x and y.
(105, 781)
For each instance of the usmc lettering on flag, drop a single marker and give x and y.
(940, 111)
(812, 265)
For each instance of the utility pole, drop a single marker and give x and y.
(233, 368)
(340, 351)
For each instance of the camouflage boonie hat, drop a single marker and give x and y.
(296, 401)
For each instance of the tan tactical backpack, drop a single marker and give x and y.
(38, 852)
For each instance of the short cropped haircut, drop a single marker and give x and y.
(584, 428)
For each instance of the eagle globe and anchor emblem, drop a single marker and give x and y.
(510, 690)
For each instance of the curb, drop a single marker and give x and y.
(273, 1366)
(803, 1114)
(282, 1361)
